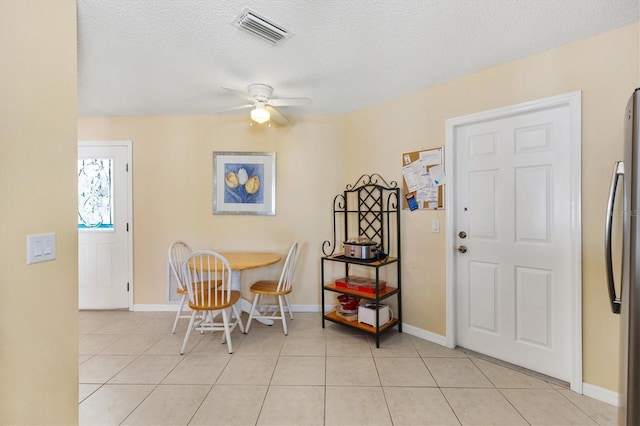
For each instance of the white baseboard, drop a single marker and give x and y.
(601, 394)
(424, 334)
(306, 308)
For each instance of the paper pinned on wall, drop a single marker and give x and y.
(411, 200)
(436, 173)
(427, 194)
(431, 157)
(415, 175)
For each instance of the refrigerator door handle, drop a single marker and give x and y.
(618, 171)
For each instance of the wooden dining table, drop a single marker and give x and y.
(240, 261)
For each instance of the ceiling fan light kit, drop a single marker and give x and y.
(259, 114)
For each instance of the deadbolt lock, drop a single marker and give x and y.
(462, 234)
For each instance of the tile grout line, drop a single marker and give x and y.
(576, 405)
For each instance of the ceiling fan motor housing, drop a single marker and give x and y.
(260, 92)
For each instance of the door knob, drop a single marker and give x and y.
(462, 249)
(462, 234)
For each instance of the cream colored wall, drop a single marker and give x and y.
(172, 192)
(320, 154)
(39, 303)
(606, 69)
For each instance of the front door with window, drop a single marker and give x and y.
(103, 225)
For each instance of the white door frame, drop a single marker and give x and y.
(128, 145)
(573, 101)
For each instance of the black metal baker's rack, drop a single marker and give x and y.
(369, 208)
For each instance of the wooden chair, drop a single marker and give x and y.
(208, 282)
(178, 253)
(277, 288)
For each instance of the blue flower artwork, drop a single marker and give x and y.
(243, 183)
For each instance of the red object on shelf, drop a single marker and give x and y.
(366, 285)
(348, 304)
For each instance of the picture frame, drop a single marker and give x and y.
(244, 183)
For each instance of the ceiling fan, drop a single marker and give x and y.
(263, 105)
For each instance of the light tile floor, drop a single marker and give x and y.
(131, 372)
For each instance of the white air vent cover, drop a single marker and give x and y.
(258, 25)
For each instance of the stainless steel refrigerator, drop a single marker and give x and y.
(626, 183)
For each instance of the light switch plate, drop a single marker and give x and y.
(435, 225)
(41, 247)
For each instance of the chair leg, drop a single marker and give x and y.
(282, 315)
(227, 332)
(286, 298)
(236, 312)
(179, 313)
(253, 309)
(188, 333)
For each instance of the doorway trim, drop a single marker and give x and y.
(573, 101)
(128, 145)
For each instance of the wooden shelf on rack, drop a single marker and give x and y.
(388, 291)
(333, 316)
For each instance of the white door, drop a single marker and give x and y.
(514, 268)
(104, 215)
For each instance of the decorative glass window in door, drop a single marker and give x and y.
(95, 193)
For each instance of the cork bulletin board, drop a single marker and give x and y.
(423, 179)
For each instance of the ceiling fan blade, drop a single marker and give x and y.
(289, 101)
(276, 116)
(238, 108)
(243, 95)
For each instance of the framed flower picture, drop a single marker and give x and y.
(244, 183)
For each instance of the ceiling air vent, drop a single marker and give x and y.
(258, 25)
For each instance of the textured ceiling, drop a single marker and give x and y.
(172, 57)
